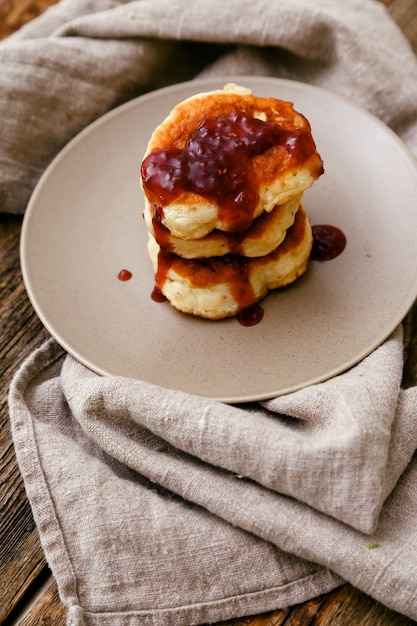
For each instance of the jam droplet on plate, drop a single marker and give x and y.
(328, 242)
(157, 295)
(124, 275)
(251, 315)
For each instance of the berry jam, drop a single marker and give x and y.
(216, 164)
(328, 242)
(124, 275)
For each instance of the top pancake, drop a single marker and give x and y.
(278, 173)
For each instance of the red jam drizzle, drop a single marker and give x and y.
(124, 275)
(161, 234)
(240, 285)
(328, 242)
(157, 295)
(216, 164)
(251, 315)
(235, 270)
(165, 260)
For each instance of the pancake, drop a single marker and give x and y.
(222, 158)
(221, 287)
(264, 235)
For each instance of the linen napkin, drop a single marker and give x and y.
(158, 507)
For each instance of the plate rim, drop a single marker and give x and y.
(199, 84)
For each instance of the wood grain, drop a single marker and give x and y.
(16, 13)
(21, 557)
(46, 610)
(404, 13)
(28, 593)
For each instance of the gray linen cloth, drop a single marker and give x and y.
(158, 507)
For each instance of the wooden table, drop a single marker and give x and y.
(28, 592)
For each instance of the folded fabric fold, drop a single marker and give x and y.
(326, 446)
(123, 549)
(110, 464)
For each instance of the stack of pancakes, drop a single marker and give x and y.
(223, 178)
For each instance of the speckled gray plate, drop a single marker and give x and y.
(83, 224)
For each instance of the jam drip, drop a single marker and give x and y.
(328, 242)
(216, 164)
(157, 295)
(124, 275)
(251, 315)
(162, 234)
(233, 269)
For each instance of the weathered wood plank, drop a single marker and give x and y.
(46, 609)
(15, 13)
(21, 574)
(343, 606)
(404, 13)
(21, 557)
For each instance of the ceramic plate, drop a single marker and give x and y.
(83, 225)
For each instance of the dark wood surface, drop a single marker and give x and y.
(28, 593)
